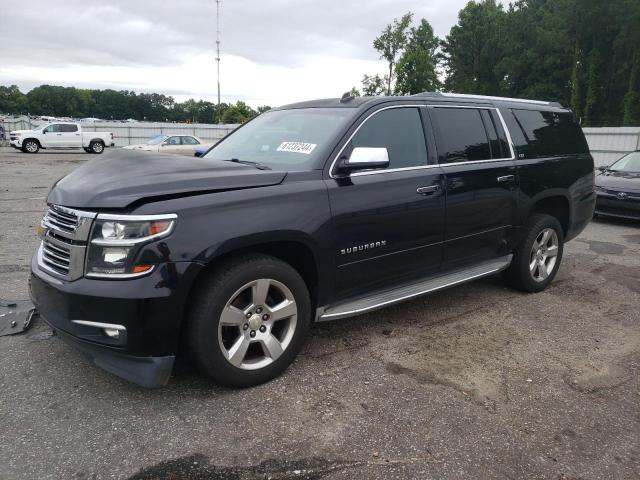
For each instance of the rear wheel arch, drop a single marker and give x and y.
(557, 206)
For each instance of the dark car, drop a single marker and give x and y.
(618, 188)
(315, 211)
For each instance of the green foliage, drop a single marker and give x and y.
(416, 71)
(238, 113)
(373, 85)
(119, 105)
(392, 42)
(582, 53)
(473, 48)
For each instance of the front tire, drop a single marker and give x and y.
(248, 321)
(30, 146)
(537, 259)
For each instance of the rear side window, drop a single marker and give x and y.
(462, 137)
(400, 131)
(551, 134)
(189, 141)
(68, 128)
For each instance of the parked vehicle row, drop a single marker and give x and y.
(618, 188)
(180, 144)
(63, 135)
(315, 211)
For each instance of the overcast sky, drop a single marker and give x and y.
(273, 52)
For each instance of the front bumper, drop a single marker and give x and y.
(149, 309)
(610, 205)
(15, 143)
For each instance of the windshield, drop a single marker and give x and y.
(284, 139)
(628, 163)
(157, 139)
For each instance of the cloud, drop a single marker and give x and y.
(273, 52)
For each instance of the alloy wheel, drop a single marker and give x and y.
(544, 254)
(257, 324)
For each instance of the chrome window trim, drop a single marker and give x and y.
(112, 326)
(335, 160)
(424, 167)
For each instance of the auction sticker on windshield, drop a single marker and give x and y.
(297, 147)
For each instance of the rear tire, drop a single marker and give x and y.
(248, 321)
(537, 259)
(96, 147)
(30, 146)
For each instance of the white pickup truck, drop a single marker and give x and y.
(60, 135)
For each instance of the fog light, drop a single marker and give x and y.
(111, 333)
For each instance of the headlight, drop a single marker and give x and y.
(115, 241)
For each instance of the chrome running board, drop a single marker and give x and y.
(404, 292)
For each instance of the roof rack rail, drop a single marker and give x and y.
(486, 97)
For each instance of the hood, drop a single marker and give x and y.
(119, 178)
(141, 146)
(619, 181)
(21, 131)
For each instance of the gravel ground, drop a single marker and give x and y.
(477, 381)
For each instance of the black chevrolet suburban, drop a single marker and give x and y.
(314, 211)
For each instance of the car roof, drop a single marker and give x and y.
(433, 97)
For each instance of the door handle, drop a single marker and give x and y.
(507, 178)
(59, 134)
(428, 190)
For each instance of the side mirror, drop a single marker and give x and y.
(366, 158)
(44, 132)
(603, 168)
(197, 153)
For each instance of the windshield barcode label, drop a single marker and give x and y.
(296, 147)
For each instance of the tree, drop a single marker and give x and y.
(416, 71)
(373, 85)
(238, 113)
(12, 100)
(473, 48)
(391, 42)
(263, 108)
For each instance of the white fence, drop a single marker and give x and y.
(609, 144)
(132, 133)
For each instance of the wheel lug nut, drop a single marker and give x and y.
(245, 326)
(252, 333)
(248, 315)
(265, 317)
(263, 329)
(259, 310)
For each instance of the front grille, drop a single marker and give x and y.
(56, 257)
(65, 220)
(64, 242)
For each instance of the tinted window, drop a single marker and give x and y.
(68, 128)
(173, 141)
(461, 135)
(497, 138)
(551, 133)
(54, 127)
(189, 141)
(400, 131)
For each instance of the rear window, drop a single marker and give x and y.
(463, 135)
(551, 134)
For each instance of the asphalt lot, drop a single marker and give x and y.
(477, 381)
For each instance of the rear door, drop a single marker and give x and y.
(388, 224)
(189, 145)
(481, 183)
(69, 136)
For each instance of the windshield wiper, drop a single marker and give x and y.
(259, 166)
